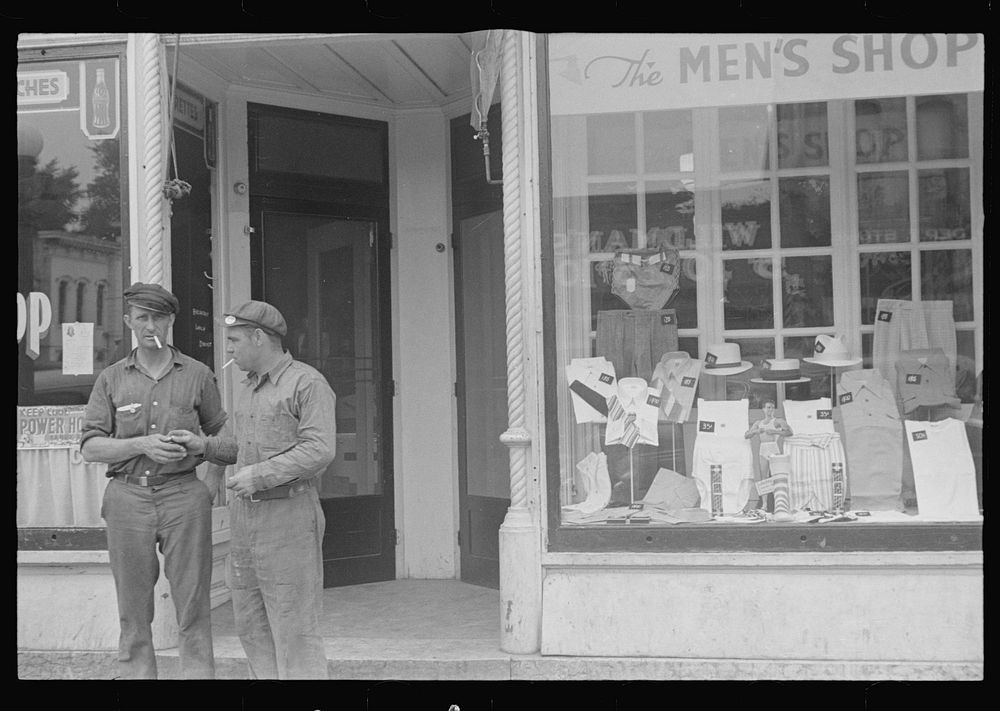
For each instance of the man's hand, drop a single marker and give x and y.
(161, 449)
(242, 482)
(193, 443)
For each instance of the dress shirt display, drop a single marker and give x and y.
(722, 465)
(646, 278)
(873, 433)
(632, 414)
(925, 378)
(906, 325)
(677, 374)
(814, 449)
(592, 381)
(943, 470)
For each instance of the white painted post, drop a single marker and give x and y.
(520, 557)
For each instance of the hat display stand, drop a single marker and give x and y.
(822, 344)
(833, 373)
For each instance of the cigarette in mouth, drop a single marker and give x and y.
(228, 363)
(157, 339)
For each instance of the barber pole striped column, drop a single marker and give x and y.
(781, 502)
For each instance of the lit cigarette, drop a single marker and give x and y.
(228, 363)
(157, 339)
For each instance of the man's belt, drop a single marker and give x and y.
(149, 479)
(284, 491)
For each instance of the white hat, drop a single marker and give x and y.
(724, 359)
(831, 351)
(780, 370)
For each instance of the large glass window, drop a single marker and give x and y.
(70, 218)
(722, 268)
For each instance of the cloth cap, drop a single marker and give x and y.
(257, 314)
(152, 297)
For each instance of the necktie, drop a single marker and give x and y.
(630, 434)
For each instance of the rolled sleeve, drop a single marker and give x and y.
(98, 417)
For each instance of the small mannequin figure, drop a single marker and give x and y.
(769, 428)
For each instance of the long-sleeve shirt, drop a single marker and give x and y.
(285, 423)
(128, 402)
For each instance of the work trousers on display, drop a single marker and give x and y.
(635, 340)
(276, 576)
(177, 516)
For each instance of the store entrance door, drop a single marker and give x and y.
(322, 271)
(481, 338)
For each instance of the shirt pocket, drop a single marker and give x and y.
(129, 423)
(182, 417)
(277, 430)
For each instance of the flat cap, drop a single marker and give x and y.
(152, 297)
(257, 314)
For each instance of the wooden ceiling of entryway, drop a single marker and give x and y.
(396, 71)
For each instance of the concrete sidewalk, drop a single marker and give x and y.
(449, 630)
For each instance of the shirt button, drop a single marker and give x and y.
(146, 472)
(153, 426)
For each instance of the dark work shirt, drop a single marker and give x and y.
(127, 402)
(286, 424)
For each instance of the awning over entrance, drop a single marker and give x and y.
(397, 71)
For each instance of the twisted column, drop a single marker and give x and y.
(516, 438)
(151, 79)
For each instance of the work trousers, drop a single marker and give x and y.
(276, 576)
(635, 340)
(177, 516)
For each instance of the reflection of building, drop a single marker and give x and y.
(83, 274)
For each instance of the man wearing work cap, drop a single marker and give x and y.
(140, 412)
(286, 434)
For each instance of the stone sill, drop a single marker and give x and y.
(970, 560)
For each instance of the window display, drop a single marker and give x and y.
(774, 284)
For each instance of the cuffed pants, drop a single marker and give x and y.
(635, 340)
(177, 516)
(276, 575)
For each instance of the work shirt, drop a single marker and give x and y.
(677, 374)
(128, 402)
(924, 377)
(873, 432)
(632, 414)
(286, 425)
(807, 417)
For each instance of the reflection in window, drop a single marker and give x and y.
(744, 138)
(668, 143)
(942, 127)
(884, 275)
(880, 130)
(746, 215)
(99, 316)
(807, 291)
(944, 204)
(965, 369)
(63, 291)
(614, 217)
(81, 295)
(670, 211)
(611, 144)
(947, 275)
(883, 207)
(802, 135)
(749, 302)
(804, 209)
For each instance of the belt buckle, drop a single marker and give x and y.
(254, 499)
(143, 480)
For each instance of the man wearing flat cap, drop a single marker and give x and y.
(141, 412)
(286, 434)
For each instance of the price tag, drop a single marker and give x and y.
(913, 378)
(919, 435)
(706, 426)
(885, 316)
(766, 486)
(711, 358)
(667, 319)
(606, 378)
(824, 414)
(846, 398)
(687, 382)
(667, 267)
(653, 401)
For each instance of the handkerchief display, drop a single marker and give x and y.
(592, 382)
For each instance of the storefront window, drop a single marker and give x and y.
(72, 254)
(713, 237)
(70, 137)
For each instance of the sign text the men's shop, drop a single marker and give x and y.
(611, 72)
